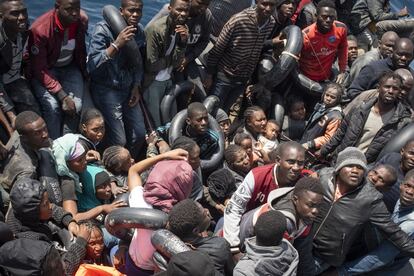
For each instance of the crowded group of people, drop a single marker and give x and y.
(274, 178)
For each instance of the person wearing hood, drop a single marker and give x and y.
(268, 253)
(70, 158)
(169, 182)
(325, 119)
(30, 217)
(26, 257)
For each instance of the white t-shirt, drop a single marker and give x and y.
(141, 249)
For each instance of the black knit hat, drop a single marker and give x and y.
(102, 178)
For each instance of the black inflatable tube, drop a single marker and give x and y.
(212, 104)
(289, 57)
(160, 261)
(123, 197)
(117, 23)
(397, 142)
(168, 100)
(279, 113)
(119, 221)
(314, 88)
(177, 124)
(167, 243)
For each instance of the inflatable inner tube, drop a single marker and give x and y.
(313, 88)
(397, 142)
(119, 221)
(123, 197)
(160, 261)
(288, 58)
(167, 103)
(167, 243)
(117, 23)
(212, 103)
(175, 131)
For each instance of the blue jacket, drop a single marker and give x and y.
(113, 72)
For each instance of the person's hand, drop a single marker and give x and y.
(220, 208)
(124, 36)
(340, 79)
(151, 138)
(135, 96)
(182, 31)
(116, 190)
(73, 228)
(68, 106)
(119, 257)
(403, 12)
(84, 232)
(305, 145)
(12, 119)
(278, 41)
(208, 82)
(3, 152)
(107, 208)
(177, 154)
(93, 155)
(183, 65)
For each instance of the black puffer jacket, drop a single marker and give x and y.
(340, 223)
(367, 11)
(351, 128)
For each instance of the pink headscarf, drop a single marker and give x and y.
(169, 182)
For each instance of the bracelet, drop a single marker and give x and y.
(114, 45)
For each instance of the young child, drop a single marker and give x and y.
(325, 119)
(294, 122)
(268, 253)
(270, 138)
(255, 151)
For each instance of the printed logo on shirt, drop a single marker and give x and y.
(197, 29)
(34, 50)
(332, 39)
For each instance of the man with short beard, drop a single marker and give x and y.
(349, 203)
(370, 125)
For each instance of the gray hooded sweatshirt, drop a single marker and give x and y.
(281, 260)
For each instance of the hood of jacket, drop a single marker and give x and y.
(272, 260)
(23, 257)
(169, 182)
(25, 198)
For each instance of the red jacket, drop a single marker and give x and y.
(320, 51)
(45, 41)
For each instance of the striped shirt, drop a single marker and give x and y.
(222, 10)
(238, 48)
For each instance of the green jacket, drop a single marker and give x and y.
(159, 54)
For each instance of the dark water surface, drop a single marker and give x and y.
(93, 8)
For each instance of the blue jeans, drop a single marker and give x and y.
(228, 91)
(125, 125)
(71, 79)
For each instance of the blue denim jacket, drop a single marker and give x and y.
(112, 72)
(385, 254)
